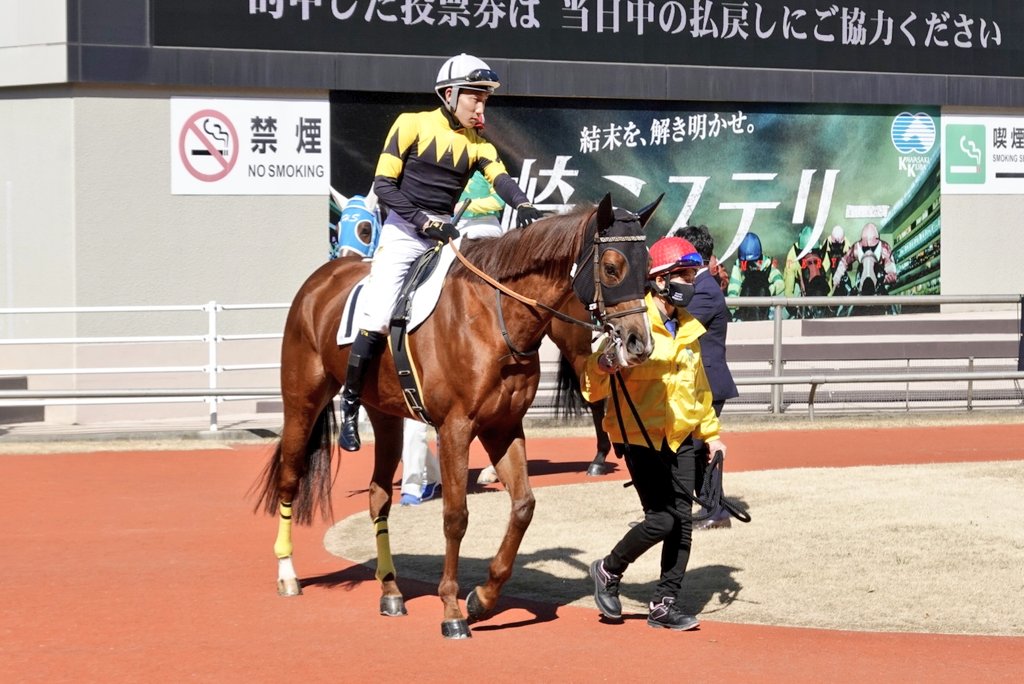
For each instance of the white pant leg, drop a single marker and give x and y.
(480, 227)
(419, 462)
(399, 245)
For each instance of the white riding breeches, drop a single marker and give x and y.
(480, 227)
(400, 244)
(419, 462)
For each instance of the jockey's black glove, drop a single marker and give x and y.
(441, 231)
(526, 214)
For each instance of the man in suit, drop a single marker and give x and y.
(708, 307)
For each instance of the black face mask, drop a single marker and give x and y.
(679, 294)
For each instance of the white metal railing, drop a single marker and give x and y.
(211, 394)
(212, 369)
(779, 304)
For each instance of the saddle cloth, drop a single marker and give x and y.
(423, 302)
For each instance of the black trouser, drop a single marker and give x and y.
(664, 481)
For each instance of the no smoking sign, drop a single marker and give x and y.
(208, 145)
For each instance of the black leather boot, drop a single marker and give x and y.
(366, 346)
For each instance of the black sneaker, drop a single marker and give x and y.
(667, 614)
(606, 590)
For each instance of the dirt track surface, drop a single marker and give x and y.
(149, 566)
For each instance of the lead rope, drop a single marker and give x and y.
(711, 497)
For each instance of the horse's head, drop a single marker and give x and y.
(812, 274)
(611, 274)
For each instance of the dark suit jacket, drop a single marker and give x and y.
(708, 307)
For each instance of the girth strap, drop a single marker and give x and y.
(408, 380)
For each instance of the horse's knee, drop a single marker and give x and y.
(455, 523)
(522, 510)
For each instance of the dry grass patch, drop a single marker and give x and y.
(928, 548)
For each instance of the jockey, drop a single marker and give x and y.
(752, 263)
(482, 217)
(869, 251)
(427, 159)
(792, 285)
(832, 250)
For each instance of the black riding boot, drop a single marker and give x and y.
(366, 346)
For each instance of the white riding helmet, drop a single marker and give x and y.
(464, 71)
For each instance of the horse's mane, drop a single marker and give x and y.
(542, 246)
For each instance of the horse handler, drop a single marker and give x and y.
(674, 403)
(427, 159)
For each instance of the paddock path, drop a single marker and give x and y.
(149, 566)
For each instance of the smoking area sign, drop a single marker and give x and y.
(249, 147)
(982, 155)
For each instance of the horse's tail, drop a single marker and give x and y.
(568, 394)
(315, 479)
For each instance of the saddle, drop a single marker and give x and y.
(416, 301)
(408, 380)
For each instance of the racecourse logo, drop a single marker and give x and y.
(913, 133)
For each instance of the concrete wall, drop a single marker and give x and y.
(37, 207)
(136, 243)
(982, 239)
(33, 42)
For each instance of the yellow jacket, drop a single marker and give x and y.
(670, 390)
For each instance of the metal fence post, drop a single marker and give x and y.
(970, 384)
(777, 359)
(1020, 343)
(211, 370)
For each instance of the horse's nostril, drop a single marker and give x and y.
(634, 345)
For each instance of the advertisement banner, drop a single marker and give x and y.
(847, 184)
(249, 147)
(974, 37)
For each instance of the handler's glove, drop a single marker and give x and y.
(439, 230)
(526, 214)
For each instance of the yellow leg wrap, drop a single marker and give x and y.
(283, 545)
(385, 564)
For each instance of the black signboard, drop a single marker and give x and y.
(979, 37)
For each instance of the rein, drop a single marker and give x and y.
(515, 295)
(602, 315)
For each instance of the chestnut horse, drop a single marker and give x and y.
(473, 386)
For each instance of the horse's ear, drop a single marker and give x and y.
(646, 212)
(605, 213)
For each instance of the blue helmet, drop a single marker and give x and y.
(358, 228)
(750, 248)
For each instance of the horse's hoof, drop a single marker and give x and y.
(288, 587)
(455, 629)
(596, 469)
(393, 606)
(475, 607)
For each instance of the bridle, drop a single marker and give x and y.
(593, 254)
